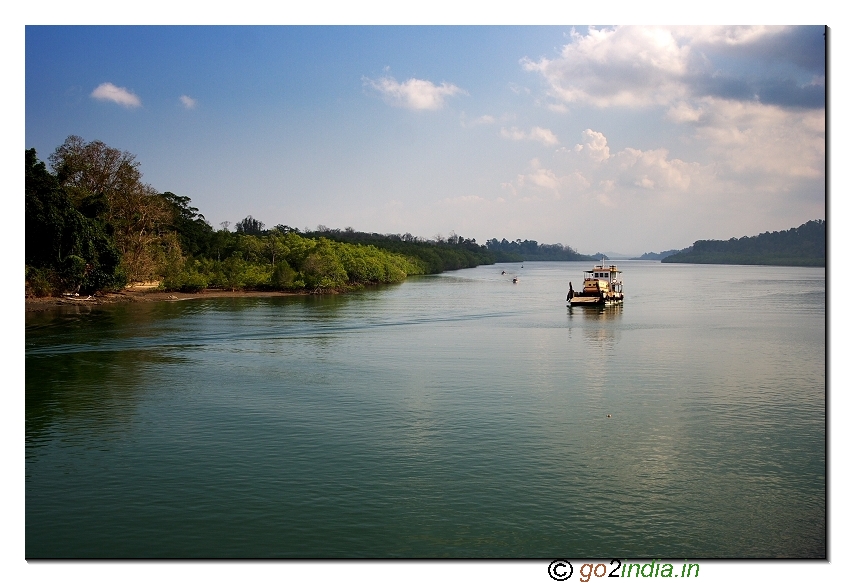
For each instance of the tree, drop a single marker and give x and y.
(275, 246)
(250, 226)
(135, 212)
(64, 248)
(192, 227)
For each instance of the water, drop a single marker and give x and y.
(457, 415)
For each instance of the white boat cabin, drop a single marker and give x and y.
(609, 274)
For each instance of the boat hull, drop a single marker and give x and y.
(578, 300)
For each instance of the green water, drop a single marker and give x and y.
(458, 415)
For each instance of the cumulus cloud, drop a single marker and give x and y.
(612, 177)
(413, 93)
(119, 95)
(683, 112)
(653, 170)
(727, 35)
(536, 134)
(627, 66)
(637, 66)
(596, 143)
(747, 101)
(188, 102)
(541, 182)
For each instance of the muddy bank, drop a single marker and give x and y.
(34, 304)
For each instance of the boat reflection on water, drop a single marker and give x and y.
(597, 322)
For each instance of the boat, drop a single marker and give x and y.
(603, 285)
(516, 280)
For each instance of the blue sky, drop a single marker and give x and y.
(615, 139)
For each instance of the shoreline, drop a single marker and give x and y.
(34, 304)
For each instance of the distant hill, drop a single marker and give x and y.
(658, 256)
(804, 246)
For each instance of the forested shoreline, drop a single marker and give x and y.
(803, 246)
(92, 225)
(530, 250)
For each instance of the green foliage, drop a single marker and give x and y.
(250, 226)
(194, 231)
(187, 278)
(41, 282)
(93, 224)
(105, 184)
(425, 256)
(66, 249)
(323, 270)
(804, 246)
(283, 276)
(526, 250)
(298, 263)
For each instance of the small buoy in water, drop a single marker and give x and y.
(609, 415)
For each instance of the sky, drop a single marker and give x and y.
(623, 139)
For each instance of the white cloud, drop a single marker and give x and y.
(188, 102)
(653, 170)
(627, 66)
(413, 93)
(541, 182)
(518, 89)
(764, 141)
(683, 112)
(643, 66)
(597, 145)
(119, 95)
(537, 134)
(626, 175)
(512, 134)
(773, 143)
(543, 135)
(726, 35)
(479, 121)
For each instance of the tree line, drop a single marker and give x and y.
(529, 250)
(93, 225)
(803, 246)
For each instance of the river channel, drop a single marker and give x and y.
(458, 415)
